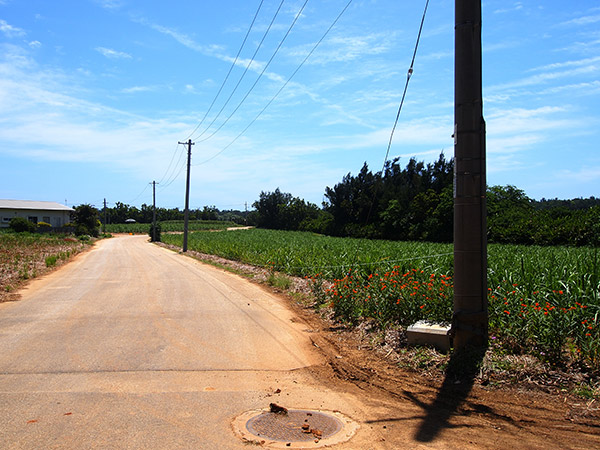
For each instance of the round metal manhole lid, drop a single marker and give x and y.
(294, 429)
(295, 425)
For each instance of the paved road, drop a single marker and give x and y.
(135, 346)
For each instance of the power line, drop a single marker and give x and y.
(408, 75)
(282, 87)
(259, 76)
(177, 170)
(139, 195)
(170, 163)
(234, 63)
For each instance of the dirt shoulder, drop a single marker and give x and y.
(533, 408)
(27, 258)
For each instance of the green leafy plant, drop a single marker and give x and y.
(154, 232)
(51, 260)
(21, 225)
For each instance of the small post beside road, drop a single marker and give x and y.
(104, 224)
(186, 213)
(154, 183)
(470, 320)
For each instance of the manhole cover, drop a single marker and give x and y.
(296, 429)
(296, 425)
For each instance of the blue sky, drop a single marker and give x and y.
(96, 94)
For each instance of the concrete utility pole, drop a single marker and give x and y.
(186, 213)
(470, 321)
(104, 224)
(154, 183)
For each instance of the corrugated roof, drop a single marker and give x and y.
(31, 204)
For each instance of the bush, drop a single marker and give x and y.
(86, 220)
(44, 226)
(152, 230)
(20, 225)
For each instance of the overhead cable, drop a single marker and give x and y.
(257, 80)
(408, 75)
(177, 170)
(282, 87)
(170, 163)
(233, 65)
(139, 195)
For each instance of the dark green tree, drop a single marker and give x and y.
(86, 220)
(268, 208)
(282, 211)
(509, 215)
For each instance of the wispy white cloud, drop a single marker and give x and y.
(35, 44)
(582, 47)
(522, 120)
(566, 64)
(110, 4)
(583, 175)
(437, 55)
(514, 133)
(112, 54)
(182, 38)
(589, 67)
(11, 31)
(518, 6)
(501, 45)
(585, 88)
(136, 89)
(343, 48)
(43, 118)
(584, 20)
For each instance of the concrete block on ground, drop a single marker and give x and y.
(425, 333)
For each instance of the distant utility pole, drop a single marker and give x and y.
(154, 183)
(186, 213)
(470, 320)
(104, 224)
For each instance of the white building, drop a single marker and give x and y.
(53, 213)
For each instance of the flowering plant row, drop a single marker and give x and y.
(551, 324)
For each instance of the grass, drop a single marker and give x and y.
(279, 281)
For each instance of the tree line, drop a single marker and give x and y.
(416, 203)
(412, 203)
(122, 212)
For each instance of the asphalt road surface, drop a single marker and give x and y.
(135, 346)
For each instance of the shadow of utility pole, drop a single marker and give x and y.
(463, 368)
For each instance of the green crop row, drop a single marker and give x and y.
(307, 254)
(170, 226)
(543, 300)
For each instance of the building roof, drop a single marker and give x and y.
(31, 204)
